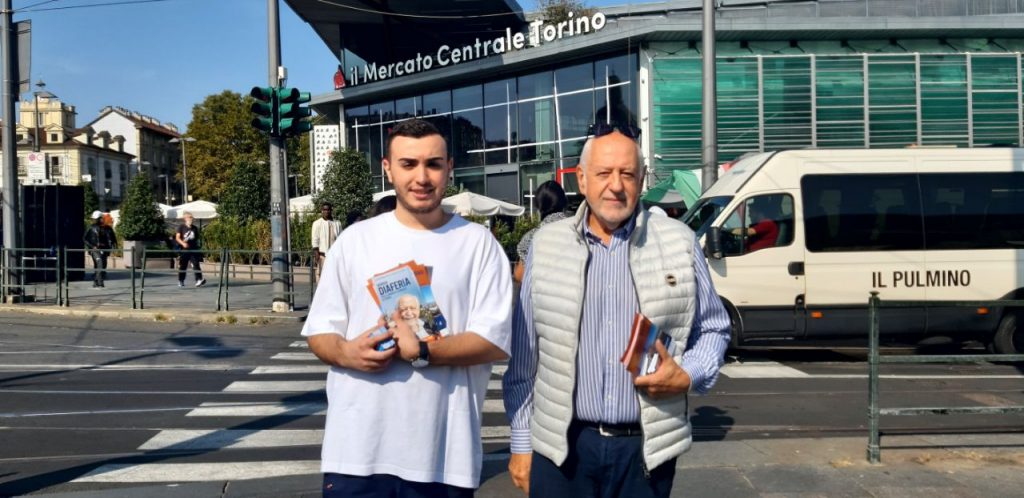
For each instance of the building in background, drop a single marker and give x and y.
(324, 141)
(67, 155)
(149, 141)
(809, 74)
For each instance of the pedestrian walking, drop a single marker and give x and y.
(324, 232)
(99, 239)
(188, 239)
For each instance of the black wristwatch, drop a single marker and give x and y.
(424, 358)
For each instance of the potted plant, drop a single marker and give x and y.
(141, 220)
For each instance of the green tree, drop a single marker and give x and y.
(348, 185)
(556, 11)
(90, 201)
(247, 195)
(299, 161)
(140, 218)
(224, 138)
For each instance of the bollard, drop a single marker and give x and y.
(874, 451)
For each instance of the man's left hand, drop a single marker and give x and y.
(668, 380)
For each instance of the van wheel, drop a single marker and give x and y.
(1009, 339)
(736, 337)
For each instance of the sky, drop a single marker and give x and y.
(163, 57)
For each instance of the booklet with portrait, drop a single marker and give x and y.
(407, 289)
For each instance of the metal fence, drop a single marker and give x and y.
(875, 359)
(241, 278)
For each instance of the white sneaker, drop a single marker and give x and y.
(181, 284)
(201, 283)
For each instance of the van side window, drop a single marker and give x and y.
(973, 210)
(761, 222)
(862, 212)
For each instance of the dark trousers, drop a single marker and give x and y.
(183, 260)
(99, 262)
(387, 486)
(600, 467)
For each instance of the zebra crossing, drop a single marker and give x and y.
(277, 409)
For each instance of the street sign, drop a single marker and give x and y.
(35, 164)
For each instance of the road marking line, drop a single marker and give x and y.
(295, 357)
(299, 344)
(215, 439)
(499, 369)
(494, 385)
(290, 369)
(914, 377)
(291, 386)
(94, 412)
(199, 472)
(494, 406)
(99, 366)
(493, 431)
(761, 370)
(257, 409)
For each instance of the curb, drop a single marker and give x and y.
(160, 315)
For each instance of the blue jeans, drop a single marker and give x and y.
(600, 467)
(387, 486)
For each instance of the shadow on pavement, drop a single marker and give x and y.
(710, 423)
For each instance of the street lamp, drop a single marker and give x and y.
(184, 165)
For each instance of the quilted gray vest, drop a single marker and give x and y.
(661, 263)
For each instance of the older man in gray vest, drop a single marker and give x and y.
(582, 425)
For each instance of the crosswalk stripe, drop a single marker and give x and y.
(494, 406)
(291, 386)
(494, 385)
(256, 409)
(199, 472)
(290, 369)
(188, 439)
(289, 356)
(299, 344)
(761, 370)
(499, 369)
(495, 431)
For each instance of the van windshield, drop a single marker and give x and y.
(700, 216)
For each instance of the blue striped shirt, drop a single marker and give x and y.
(604, 389)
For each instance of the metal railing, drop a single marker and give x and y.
(874, 451)
(229, 268)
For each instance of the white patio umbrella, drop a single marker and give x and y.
(468, 203)
(201, 210)
(302, 204)
(380, 195)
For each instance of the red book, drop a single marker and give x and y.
(635, 349)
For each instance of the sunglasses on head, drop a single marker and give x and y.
(602, 129)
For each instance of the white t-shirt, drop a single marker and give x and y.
(418, 424)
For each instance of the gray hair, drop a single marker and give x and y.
(585, 156)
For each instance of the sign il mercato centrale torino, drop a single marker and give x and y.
(539, 33)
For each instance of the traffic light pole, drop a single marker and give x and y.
(280, 263)
(10, 151)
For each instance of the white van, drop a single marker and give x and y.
(796, 240)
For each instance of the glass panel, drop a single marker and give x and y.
(536, 125)
(405, 108)
(496, 121)
(437, 103)
(787, 102)
(531, 175)
(892, 104)
(469, 97)
(375, 149)
(576, 114)
(536, 85)
(840, 88)
(471, 179)
(996, 111)
(944, 100)
(620, 67)
(862, 213)
(676, 114)
(500, 92)
(737, 108)
(576, 77)
(468, 131)
(382, 112)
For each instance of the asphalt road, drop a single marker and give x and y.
(117, 408)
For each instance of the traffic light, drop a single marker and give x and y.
(265, 108)
(290, 112)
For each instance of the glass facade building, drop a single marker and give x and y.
(809, 74)
(509, 135)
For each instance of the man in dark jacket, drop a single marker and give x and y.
(99, 240)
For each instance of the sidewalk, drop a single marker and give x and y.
(248, 301)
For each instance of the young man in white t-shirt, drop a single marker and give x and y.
(406, 421)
